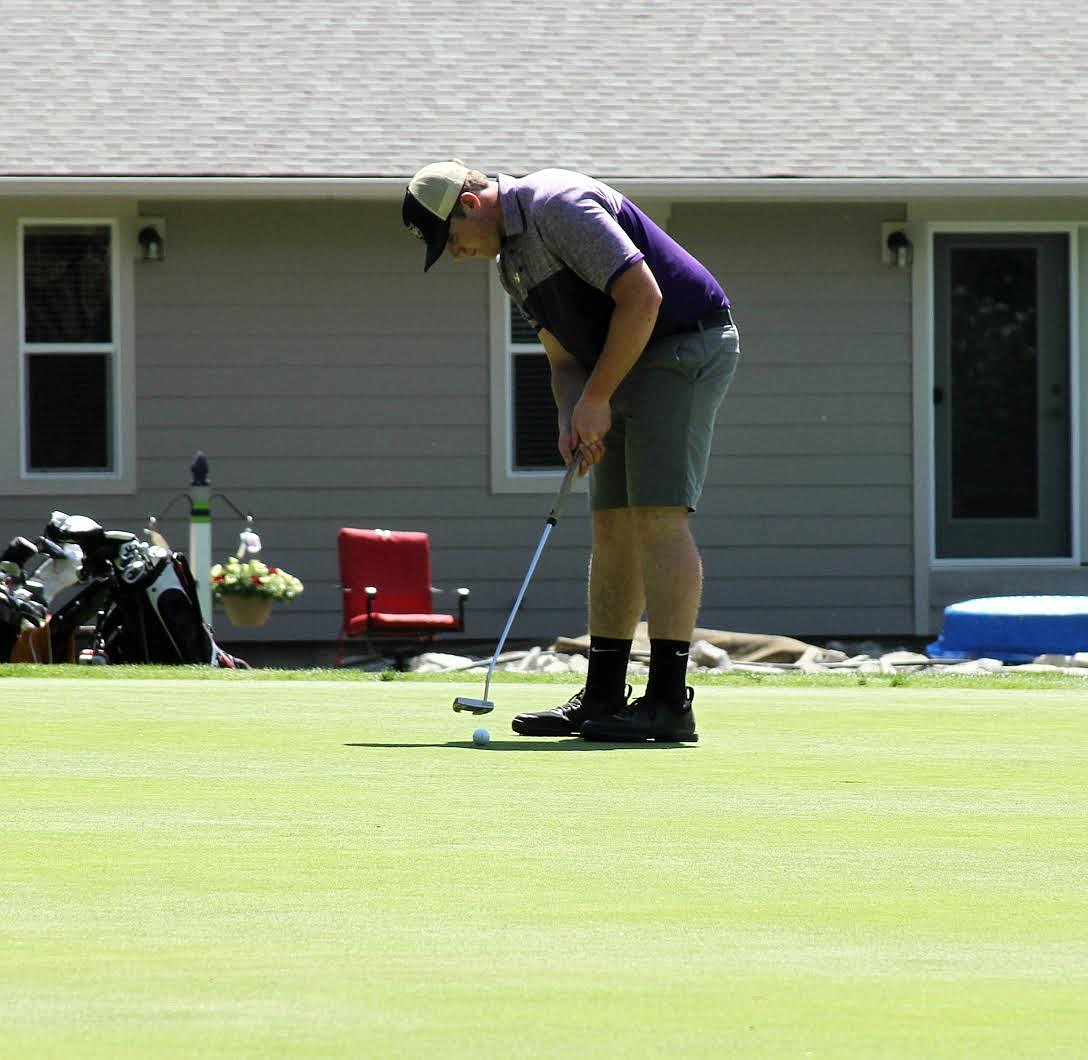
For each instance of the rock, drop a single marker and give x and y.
(703, 653)
(810, 661)
(894, 661)
(968, 668)
(529, 663)
(435, 661)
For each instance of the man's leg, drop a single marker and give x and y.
(673, 574)
(672, 571)
(615, 606)
(616, 586)
(669, 403)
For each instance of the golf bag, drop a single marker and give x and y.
(139, 598)
(21, 604)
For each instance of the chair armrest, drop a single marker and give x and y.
(462, 597)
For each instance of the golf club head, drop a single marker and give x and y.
(473, 706)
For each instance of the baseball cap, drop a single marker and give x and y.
(431, 196)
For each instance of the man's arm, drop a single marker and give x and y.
(637, 298)
(568, 382)
(582, 401)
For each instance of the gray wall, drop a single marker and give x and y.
(365, 403)
(806, 521)
(332, 384)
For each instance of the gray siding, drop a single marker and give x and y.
(806, 521)
(330, 383)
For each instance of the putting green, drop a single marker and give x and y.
(247, 868)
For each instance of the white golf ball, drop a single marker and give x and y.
(481, 737)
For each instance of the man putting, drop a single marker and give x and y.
(642, 349)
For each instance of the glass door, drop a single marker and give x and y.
(1001, 396)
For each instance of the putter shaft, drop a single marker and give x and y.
(553, 518)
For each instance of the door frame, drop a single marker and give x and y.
(924, 326)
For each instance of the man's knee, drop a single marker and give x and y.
(613, 527)
(661, 524)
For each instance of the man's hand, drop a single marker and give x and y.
(589, 423)
(637, 299)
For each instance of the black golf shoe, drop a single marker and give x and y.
(569, 718)
(646, 719)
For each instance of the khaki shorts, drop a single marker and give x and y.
(663, 415)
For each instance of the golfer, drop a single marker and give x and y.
(642, 349)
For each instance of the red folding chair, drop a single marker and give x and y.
(385, 579)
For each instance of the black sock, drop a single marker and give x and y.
(607, 676)
(668, 678)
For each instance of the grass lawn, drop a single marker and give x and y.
(262, 867)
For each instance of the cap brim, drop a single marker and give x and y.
(436, 245)
(426, 226)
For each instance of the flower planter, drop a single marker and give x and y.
(248, 610)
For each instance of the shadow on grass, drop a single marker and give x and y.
(538, 744)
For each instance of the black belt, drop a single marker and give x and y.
(720, 318)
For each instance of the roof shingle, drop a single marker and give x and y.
(687, 89)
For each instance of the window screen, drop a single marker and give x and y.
(68, 410)
(532, 405)
(68, 347)
(66, 284)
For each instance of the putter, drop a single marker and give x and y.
(485, 706)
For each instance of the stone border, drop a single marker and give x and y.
(708, 659)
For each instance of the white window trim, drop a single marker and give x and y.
(121, 477)
(925, 455)
(504, 478)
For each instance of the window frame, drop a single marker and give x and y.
(505, 478)
(120, 399)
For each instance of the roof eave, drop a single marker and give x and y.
(673, 188)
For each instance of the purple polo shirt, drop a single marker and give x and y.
(568, 237)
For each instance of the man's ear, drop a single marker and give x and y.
(469, 201)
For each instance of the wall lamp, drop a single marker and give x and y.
(152, 244)
(897, 248)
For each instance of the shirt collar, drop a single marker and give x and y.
(512, 218)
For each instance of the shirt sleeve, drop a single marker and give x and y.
(583, 233)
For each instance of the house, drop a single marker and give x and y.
(895, 198)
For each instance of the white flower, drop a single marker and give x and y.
(253, 578)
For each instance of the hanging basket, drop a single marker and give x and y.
(248, 610)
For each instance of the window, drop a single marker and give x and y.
(532, 407)
(68, 347)
(524, 443)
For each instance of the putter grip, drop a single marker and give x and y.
(564, 490)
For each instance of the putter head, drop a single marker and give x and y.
(473, 706)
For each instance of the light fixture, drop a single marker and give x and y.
(899, 249)
(152, 247)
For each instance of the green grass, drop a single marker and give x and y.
(264, 866)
